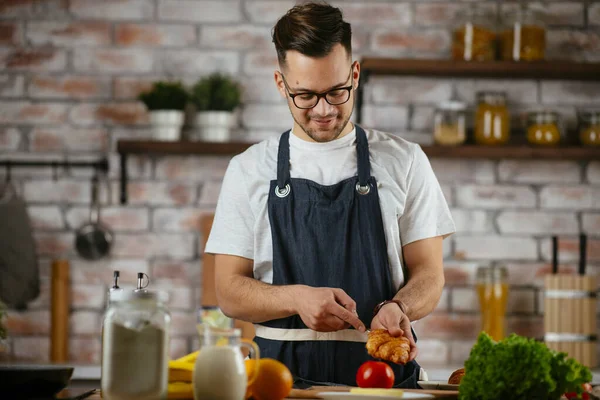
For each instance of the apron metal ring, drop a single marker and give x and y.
(282, 192)
(363, 189)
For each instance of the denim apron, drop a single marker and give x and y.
(328, 236)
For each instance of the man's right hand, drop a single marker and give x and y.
(326, 309)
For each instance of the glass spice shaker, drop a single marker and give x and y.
(450, 121)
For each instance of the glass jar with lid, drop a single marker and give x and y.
(492, 292)
(523, 36)
(135, 346)
(474, 37)
(449, 123)
(492, 119)
(589, 127)
(544, 128)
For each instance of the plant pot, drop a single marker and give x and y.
(213, 126)
(166, 124)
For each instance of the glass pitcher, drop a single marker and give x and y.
(492, 290)
(220, 372)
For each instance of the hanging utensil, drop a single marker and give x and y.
(94, 240)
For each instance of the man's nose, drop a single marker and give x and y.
(323, 107)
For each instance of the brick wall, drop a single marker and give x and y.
(69, 75)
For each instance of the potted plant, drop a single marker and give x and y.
(166, 102)
(216, 98)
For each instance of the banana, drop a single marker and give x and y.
(180, 371)
(190, 358)
(378, 392)
(180, 390)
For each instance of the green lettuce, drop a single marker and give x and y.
(519, 368)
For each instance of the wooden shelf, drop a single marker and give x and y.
(462, 152)
(565, 70)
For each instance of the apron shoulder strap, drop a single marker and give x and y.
(283, 160)
(362, 151)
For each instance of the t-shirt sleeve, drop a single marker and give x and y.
(426, 213)
(232, 230)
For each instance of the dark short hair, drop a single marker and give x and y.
(312, 29)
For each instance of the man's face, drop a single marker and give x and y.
(303, 74)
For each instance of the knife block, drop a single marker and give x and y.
(570, 316)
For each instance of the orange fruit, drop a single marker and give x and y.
(274, 380)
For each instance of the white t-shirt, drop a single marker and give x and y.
(412, 204)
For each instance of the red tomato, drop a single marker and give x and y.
(587, 387)
(375, 374)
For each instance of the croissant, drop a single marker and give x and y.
(384, 346)
(456, 376)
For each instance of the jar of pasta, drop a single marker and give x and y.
(474, 38)
(544, 128)
(523, 36)
(449, 123)
(589, 127)
(492, 119)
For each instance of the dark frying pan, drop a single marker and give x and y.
(21, 381)
(94, 240)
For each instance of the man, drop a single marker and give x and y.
(328, 230)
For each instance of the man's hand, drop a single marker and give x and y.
(326, 309)
(391, 317)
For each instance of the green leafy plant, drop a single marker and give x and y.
(519, 368)
(3, 331)
(165, 96)
(216, 92)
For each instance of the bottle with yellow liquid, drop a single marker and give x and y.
(492, 290)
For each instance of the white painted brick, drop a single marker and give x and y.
(84, 323)
(200, 11)
(90, 297)
(570, 44)
(385, 90)
(66, 33)
(130, 132)
(180, 295)
(463, 171)
(100, 272)
(183, 324)
(85, 350)
(46, 218)
(113, 9)
(21, 59)
(54, 244)
(460, 273)
(267, 12)
(120, 114)
(385, 118)
(537, 222)
(253, 116)
(539, 171)
(10, 139)
(209, 193)
(448, 194)
(472, 221)
(376, 13)
(260, 63)
(527, 274)
(517, 92)
(495, 197)
(459, 352)
(69, 87)
(487, 247)
(424, 43)
(113, 60)
(591, 223)
(442, 305)
(177, 220)
(260, 90)
(155, 35)
(42, 302)
(118, 219)
(158, 193)
(192, 168)
(593, 172)
(28, 322)
(568, 250)
(12, 85)
(62, 191)
(24, 112)
(576, 93)
(36, 348)
(68, 139)
(178, 246)
(421, 119)
(594, 14)
(176, 271)
(447, 249)
(570, 197)
(433, 351)
(178, 347)
(237, 37)
(198, 62)
(431, 14)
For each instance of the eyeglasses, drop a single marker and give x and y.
(308, 100)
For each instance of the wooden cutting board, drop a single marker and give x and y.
(313, 393)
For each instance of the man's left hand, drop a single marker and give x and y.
(391, 317)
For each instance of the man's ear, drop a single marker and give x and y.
(279, 84)
(356, 74)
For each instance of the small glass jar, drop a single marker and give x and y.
(492, 119)
(449, 123)
(544, 128)
(523, 36)
(589, 127)
(474, 38)
(492, 291)
(135, 346)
